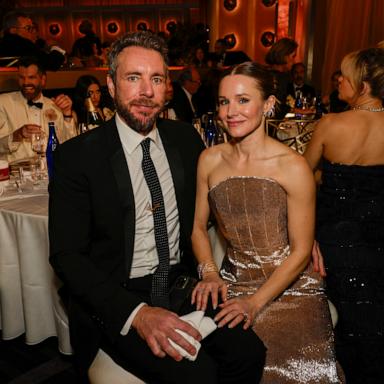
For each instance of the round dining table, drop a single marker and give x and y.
(29, 303)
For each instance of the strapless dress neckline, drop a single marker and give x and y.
(239, 177)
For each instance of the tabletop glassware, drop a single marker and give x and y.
(39, 145)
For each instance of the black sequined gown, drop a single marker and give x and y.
(296, 327)
(350, 230)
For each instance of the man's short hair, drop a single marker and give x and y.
(11, 19)
(143, 39)
(26, 61)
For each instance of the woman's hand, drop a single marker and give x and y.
(317, 259)
(212, 284)
(236, 310)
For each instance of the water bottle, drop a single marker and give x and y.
(298, 105)
(52, 144)
(210, 130)
(94, 118)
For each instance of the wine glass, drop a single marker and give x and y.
(39, 145)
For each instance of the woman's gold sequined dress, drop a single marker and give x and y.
(296, 328)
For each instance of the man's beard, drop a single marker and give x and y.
(31, 96)
(145, 124)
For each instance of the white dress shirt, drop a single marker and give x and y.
(189, 95)
(145, 259)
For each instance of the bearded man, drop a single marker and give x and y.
(27, 112)
(121, 211)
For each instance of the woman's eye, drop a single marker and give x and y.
(243, 100)
(223, 102)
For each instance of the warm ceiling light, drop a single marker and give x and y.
(230, 40)
(267, 38)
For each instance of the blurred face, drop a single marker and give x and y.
(241, 105)
(220, 48)
(139, 89)
(335, 81)
(25, 28)
(169, 90)
(31, 82)
(199, 54)
(290, 60)
(298, 74)
(346, 91)
(94, 93)
(193, 85)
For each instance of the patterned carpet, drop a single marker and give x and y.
(36, 364)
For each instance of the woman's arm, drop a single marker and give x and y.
(300, 187)
(315, 148)
(211, 283)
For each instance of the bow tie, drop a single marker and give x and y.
(33, 104)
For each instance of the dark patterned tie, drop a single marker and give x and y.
(160, 288)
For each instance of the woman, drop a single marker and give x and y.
(89, 86)
(280, 59)
(350, 224)
(262, 194)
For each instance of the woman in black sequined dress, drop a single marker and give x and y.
(350, 214)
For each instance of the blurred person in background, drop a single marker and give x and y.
(280, 59)
(332, 101)
(298, 83)
(26, 112)
(89, 86)
(20, 35)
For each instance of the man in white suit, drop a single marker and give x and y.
(26, 112)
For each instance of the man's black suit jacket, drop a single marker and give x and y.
(92, 226)
(15, 45)
(181, 104)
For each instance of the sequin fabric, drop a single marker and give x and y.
(350, 231)
(296, 327)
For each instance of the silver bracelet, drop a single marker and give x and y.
(204, 268)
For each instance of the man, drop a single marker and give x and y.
(183, 91)
(108, 241)
(298, 84)
(20, 37)
(26, 112)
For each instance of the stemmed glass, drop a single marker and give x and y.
(38, 145)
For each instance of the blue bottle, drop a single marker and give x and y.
(52, 144)
(210, 130)
(298, 105)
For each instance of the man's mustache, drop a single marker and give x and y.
(144, 103)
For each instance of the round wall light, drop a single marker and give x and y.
(267, 38)
(230, 5)
(112, 27)
(230, 40)
(268, 3)
(54, 29)
(142, 26)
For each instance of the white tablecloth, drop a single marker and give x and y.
(28, 287)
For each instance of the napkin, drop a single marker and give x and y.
(205, 325)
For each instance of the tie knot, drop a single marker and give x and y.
(33, 104)
(145, 144)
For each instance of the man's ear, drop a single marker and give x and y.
(111, 86)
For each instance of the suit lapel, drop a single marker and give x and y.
(121, 174)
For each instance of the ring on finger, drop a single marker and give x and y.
(246, 316)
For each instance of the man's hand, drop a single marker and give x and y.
(64, 102)
(26, 132)
(155, 325)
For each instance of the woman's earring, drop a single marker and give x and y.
(270, 113)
